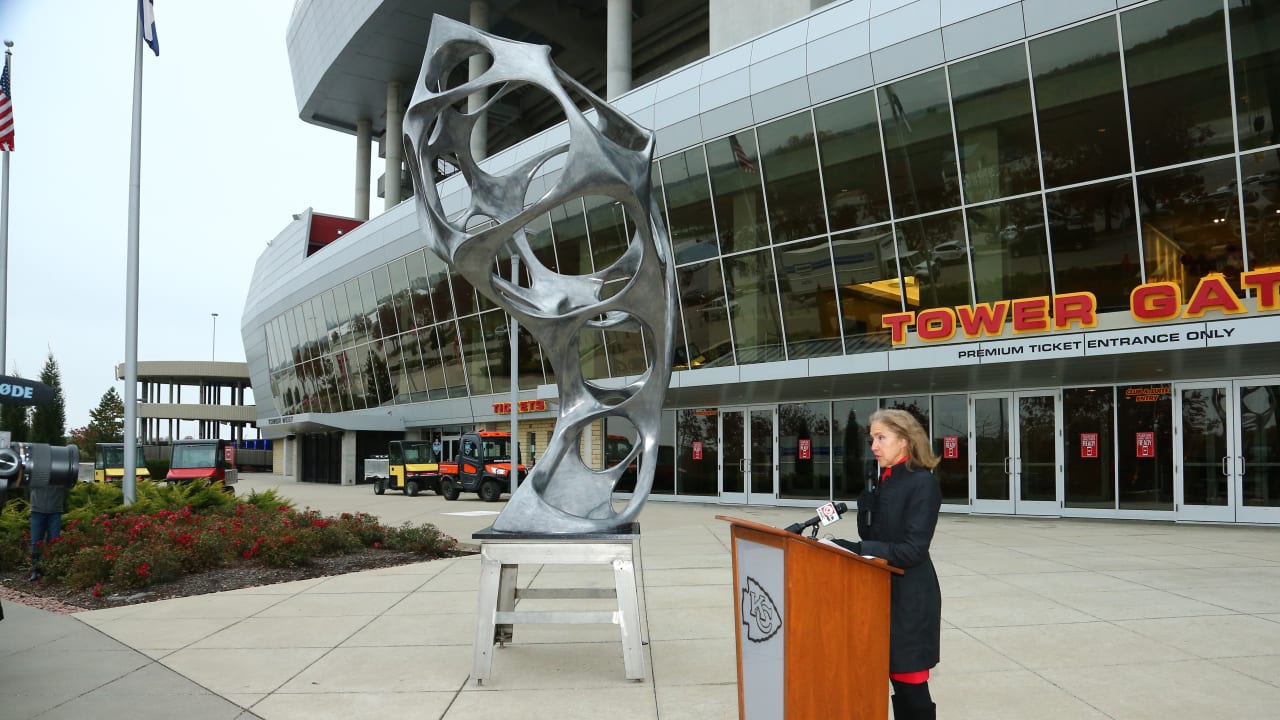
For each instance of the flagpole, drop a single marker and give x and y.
(4, 236)
(129, 481)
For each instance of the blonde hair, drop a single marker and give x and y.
(904, 425)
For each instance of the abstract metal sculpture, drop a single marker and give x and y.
(609, 156)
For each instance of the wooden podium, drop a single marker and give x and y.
(812, 627)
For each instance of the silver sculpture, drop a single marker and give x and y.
(609, 156)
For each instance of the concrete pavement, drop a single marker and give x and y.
(1051, 619)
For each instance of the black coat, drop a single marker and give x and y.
(896, 521)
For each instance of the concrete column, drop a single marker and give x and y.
(364, 155)
(349, 459)
(617, 62)
(394, 141)
(476, 65)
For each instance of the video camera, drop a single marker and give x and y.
(33, 464)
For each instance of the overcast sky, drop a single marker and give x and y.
(225, 163)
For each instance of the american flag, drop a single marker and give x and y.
(744, 162)
(6, 109)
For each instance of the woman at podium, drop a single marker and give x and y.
(896, 520)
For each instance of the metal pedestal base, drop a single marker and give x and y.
(501, 554)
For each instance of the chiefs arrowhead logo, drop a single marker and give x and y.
(759, 613)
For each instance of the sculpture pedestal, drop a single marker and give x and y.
(502, 553)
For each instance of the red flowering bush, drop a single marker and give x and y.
(106, 546)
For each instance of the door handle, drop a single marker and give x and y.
(1226, 459)
(1007, 471)
(1242, 465)
(742, 465)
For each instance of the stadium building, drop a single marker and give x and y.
(1051, 230)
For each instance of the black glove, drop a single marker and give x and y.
(851, 546)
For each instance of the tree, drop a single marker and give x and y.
(107, 420)
(17, 420)
(49, 421)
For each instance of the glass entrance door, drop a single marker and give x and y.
(1015, 455)
(748, 469)
(1229, 465)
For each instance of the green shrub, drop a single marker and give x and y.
(425, 540)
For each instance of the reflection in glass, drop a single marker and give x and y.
(1260, 445)
(733, 433)
(1144, 428)
(853, 465)
(1204, 447)
(419, 288)
(626, 352)
(497, 345)
(538, 234)
(569, 227)
(762, 460)
(1176, 66)
(471, 335)
(609, 227)
(1191, 224)
(866, 269)
(810, 313)
(1095, 242)
(1010, 257)
(997, 136)
(592, 355)
(664, 475)
(414, 369)
(451, 358)
(915, 115)
(738, 200)
(1037, 449)
(706, 316)
(791, 183)
(928, 282)
(1088, 447)
(951, 429)
(1261, 173)
(752, 295)
(395, 351)
(917, 405)
(693, 233)
(438, 287)
(804, 450)
(991, 448)
(369, 301)
(697, 451)
(352, 362)
(1080, 103)
(1255, 52)
(852, 162)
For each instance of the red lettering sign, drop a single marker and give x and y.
(229, 452)
(950, 447)
(1146, 445)
(806, 449)
(1088, 445)
(697, 449)
(504, 408)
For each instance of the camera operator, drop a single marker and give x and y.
(47, 505)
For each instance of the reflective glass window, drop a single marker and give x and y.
(1095, 242)
(994, 127)
(497, 345)
(1088, 417)
(1255, 51)
(354, 361)
(1144, 437)
(915, 117)
(1261, 173)
(852, 162)
(951, 430)
(415, 371)
(401, 387)
(419, 286)
(810, 311)
(752, 294)
(928, 282)
(530, 370)
(1010, 257)
(692, 228)
(387, 319)
(866, 270)
(609, 227)
(917, 405)
(853, 464)
(451, 358)
(381, 371)
(438, 288)
(626, 351)
(471, 340)
(569, 226)
(333, 341)
(1179, 94)
(369, 301)
(342, 372)
(697, 451)
(734, 167)
(1080, 103)
(804, 450)
(706, 315)
(538, 234)
(400, 294)
(1190, 224)
(791, 185)
(664, 475)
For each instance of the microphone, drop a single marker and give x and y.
(826, 511)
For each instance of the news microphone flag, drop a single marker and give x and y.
(147, 11)
(6, 108)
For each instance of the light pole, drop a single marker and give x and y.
(213, 349)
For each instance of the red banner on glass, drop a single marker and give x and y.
(806, 449)
(1088, 445)
(1146, 444)
(697, 449)
(229, 454)
(950, 447)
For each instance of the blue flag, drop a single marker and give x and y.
(147, 12)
